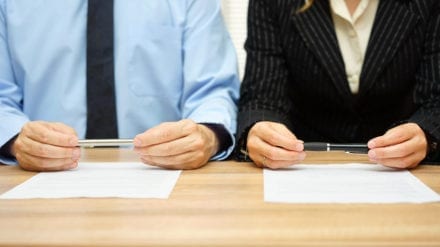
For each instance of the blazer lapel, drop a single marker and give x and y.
(392, 24)
(317, 30)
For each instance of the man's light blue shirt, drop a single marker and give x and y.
(173, 59)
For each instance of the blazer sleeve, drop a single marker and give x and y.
(262, 96)
(427, 90)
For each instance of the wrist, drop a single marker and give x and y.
(212, 140)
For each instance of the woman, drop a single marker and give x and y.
(341, 71)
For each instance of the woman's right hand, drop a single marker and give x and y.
(44, 146)
(272, 145)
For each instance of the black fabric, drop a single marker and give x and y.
(295, 72)
(223, 137)
(5, 150)
(101, 102)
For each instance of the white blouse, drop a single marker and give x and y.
(353, 33)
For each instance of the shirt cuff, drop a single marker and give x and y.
(6, 157)
(5, 150)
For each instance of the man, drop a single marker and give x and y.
(175, 80)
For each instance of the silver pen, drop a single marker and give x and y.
(104, 142)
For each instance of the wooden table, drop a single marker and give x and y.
(218, 205)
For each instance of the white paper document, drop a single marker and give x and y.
(345, 183)
(126, 180)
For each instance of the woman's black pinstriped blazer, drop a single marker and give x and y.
(295, 73)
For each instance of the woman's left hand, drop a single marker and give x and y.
(404, 146)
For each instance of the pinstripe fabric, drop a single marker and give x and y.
(295, 72)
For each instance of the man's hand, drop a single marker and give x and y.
(44, 146)
(177, 145)
(404, 146)
(272, 145)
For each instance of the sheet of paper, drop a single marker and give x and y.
(345, 183)
(127, 180)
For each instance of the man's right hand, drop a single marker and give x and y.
(44, 146)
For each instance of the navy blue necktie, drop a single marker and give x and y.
(101, 102)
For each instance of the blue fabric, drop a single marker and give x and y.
(173, 60)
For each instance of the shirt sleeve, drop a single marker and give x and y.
(11, 114)
(211, 82)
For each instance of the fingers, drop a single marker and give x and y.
(56, 134)
(43, 146)
(272, 145)
(33, 163)
(165, 132)
(397, 135)
(397, 156)
(175, 147)
(406, 162)
(183, 145)
(276, 134)
(183, 161)
(43, 150)
(276, 156)
(264, 162)
(404, 146)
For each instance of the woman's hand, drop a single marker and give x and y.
(404, 146)
(272, 145)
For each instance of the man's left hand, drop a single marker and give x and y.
(177, 145)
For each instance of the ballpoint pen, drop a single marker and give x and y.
(104, 142)
(347, 147)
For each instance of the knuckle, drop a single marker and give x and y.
(42, 150)
(271, 154)
(168, 148)
(272, 138)
(190, 127)
(18, 145)
(251, 143)
(43, 137)
(164, 134)
(198, 144)
(25, 128)
(257, 127)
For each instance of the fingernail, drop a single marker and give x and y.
(137, 142)
(371, 144)
(372, 155)
(76, 154)
(302, 156)
(299, 146)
